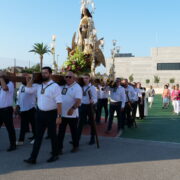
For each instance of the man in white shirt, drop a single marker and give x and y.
(49, 101)
(71, 100)
(89, 99)
(130, 99)
(26, 103)
(134, 103)
(103, 94)
(6, 109)
(117, 104)
(142, 97)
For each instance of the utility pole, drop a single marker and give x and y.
(15, 71)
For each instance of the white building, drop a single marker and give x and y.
(164, 62)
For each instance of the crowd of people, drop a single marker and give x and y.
(171, 95)
(49, 106)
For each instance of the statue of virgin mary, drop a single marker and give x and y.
(85, 29)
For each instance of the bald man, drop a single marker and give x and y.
(71, 100)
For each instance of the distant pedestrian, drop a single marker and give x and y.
(176, 99)
(173, 97)
(150, 95)
(166, 97)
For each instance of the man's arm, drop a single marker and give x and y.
(123, 98)
(94, 95)
(74, 107)
(78, 97)
(3, 84)
(59, 112)
(30, 88)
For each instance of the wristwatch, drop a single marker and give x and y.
(59, 116)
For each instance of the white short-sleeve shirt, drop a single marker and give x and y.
(85, 97)
(48, 100)
(6, 97)
(69, 96)
(25, 100)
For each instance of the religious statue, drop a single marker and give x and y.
(85, 29)
(87, 41)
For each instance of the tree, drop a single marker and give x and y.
(131, 78)
(172, 81)
(35, 68)
(41, 49)
(147, 81)
(156, 80)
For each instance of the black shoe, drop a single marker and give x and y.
(30, 161)
(52, 159)
(92, 141)
(31, 138)
(47, 137)
(74, 150)
(11, 148)
(60, 152)
(70, 142)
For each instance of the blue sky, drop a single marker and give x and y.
(138, 25)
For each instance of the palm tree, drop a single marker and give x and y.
(41, 49)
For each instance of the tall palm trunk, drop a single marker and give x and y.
(41, 62)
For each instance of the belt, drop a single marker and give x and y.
(115, 102)
(54, 110)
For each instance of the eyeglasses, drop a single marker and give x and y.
(68, 77)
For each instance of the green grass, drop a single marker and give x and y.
(160, 125)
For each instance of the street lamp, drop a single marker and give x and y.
(114, 42)
(57, 60)
(53, 48)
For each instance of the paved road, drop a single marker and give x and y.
(121, 159)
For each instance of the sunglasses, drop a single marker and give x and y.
(68, 77)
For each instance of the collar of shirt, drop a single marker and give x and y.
(47, 83)
(69, 86)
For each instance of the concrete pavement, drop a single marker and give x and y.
(123, 159)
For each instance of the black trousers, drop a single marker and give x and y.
(115, 107)
(141, 108)
(27, 117)
(45, 119)
(6, 117)
(85, 115)
(134, 110)
(128, 115)
(102, 103)
(72, 122)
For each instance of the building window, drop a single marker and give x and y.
(168, 66)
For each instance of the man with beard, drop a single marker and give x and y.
(6, 110)
(26, 103)
(49, 103)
